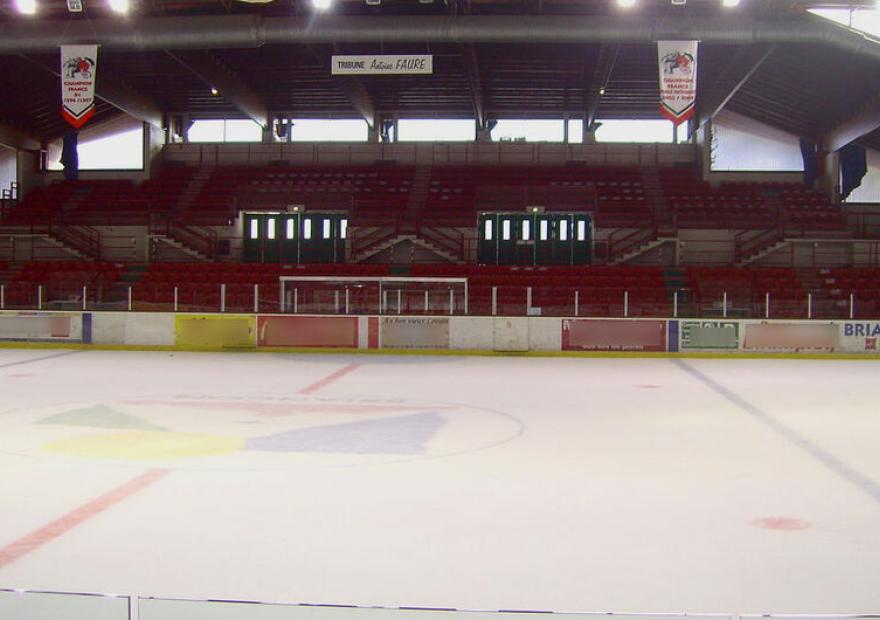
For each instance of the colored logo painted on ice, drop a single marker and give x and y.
(205, 431)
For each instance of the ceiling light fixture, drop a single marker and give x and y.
(626, 3)
(322, 5)
(26, 7)
(729, 4)
(215, 92)
(119, 6)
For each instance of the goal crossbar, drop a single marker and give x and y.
(383, 282)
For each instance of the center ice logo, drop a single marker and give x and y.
(205, 431)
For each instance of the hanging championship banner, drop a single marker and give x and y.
(678, 79)
(79, 65)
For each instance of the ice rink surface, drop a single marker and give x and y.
(581, 484)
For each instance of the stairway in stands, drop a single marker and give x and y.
(676, 279)
(130, 276)
(193, 188)
(656, 197)
(415, 204)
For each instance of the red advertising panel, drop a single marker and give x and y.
(307, 331)
(610, 335)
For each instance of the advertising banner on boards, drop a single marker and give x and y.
(677, 62)
(709, 335)
(860, 336)
(79, 67)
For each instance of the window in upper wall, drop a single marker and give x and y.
(862, 19)
(869, 190)
(740, 144)
(436, 130)
(328, 130)
(529, 130)
(576, 131)
(119, 151)
(635, 130)
(229, 130)
(8, 168)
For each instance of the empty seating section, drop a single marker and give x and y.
(748, 205)
(380, 196)
(39, 206)
(862, 284)
(163, 192)
(377, 195)
(62, 282)
(599, 291)
(695, 204)
(199, 284)
(555, 291)
(746, 291)
(455, 196)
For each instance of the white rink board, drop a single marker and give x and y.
(164, 609)
(53, 606)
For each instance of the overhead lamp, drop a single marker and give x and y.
(119, 6)
(26, 7)
(322, 5)
(729, 4)
(602, 91)
(214, 91)
(626, 3)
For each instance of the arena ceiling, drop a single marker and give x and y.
(770, 61)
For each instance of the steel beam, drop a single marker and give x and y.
(211, 70)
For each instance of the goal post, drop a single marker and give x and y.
(372, 295)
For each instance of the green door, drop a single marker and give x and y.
(582, 250)
(252, 244)
(562, 239)
(290, 228)
(487, 234)
(272, 238)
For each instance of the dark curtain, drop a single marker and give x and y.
(811, 163)
(385, 131)
(70, 157)
(853, 168)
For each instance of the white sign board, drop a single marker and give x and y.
(382, 65)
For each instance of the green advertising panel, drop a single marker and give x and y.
(709, 335)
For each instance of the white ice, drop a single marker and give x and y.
(588, 484)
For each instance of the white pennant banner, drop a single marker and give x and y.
(678, 79)
(79, 66)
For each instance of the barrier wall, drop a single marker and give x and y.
(503, 334)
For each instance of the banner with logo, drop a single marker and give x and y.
(382, 65)
(79, 65)
(860, 336)
(678, 79)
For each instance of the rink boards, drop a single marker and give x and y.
(425, 333)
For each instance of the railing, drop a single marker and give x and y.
(749, 242)
(629, 240)
(453, 244)
(418, 296)
(361, 242)
(432, 153)
(203, 241)
(83, 239)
